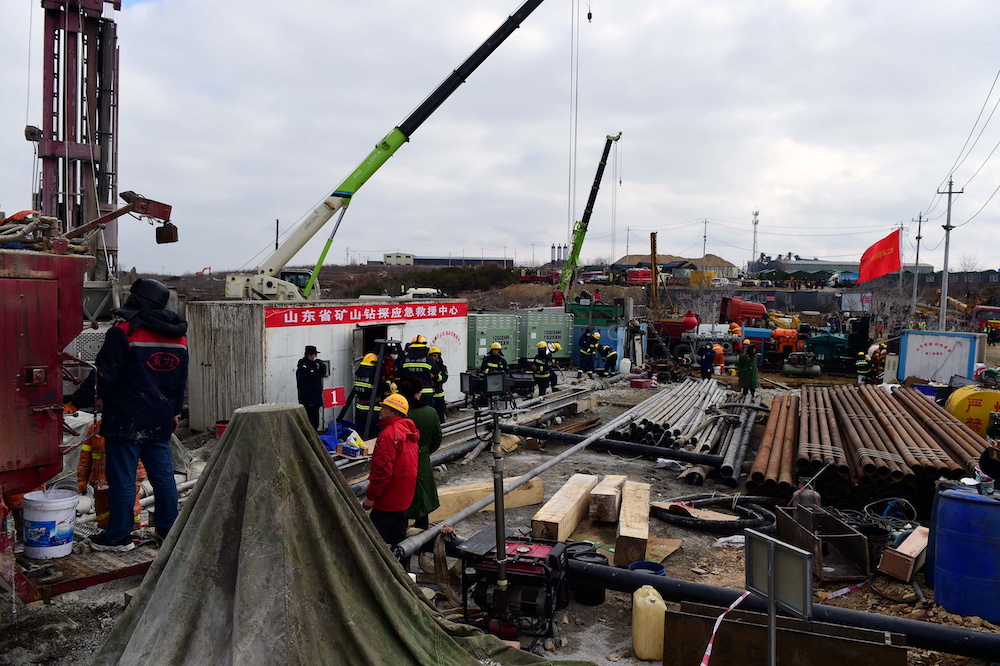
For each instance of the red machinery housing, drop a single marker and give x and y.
(42, 296)
(537, 587)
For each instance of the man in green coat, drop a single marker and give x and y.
(425, 417)
(746, 368)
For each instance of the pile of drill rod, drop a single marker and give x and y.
(863, 444)
(693, 420)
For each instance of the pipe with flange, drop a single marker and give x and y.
(615, 446)
(924, 635)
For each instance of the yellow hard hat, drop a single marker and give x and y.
(557, 346)
(747, 341)
(397, 402)
(542, 345)
(418, 340)
(369, 359)
(495, 345)
(434, 350)
(597, 335)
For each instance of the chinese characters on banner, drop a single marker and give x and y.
(360, 314)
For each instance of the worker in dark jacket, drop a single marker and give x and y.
(746, 368)
(365, 385)
(140, 377)
(541, 366)
(707, 355)
(417, 363)
(588, 347)
(610, 358)
(863, 367)
(440, 405)
(494, 361)
(309, 381)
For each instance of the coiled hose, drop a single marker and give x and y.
(749, 507)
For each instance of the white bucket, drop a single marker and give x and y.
(626, 366)
(49, 518)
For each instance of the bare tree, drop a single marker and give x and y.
(968, 263)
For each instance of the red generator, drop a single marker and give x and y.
(537, 587)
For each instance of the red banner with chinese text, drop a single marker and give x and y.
(321, 315)
(881, 258)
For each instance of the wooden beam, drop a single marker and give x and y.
(633, 524)
(606, 498)
(457, 498)
(561, 514)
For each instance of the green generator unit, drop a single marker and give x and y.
(487, 328)
(596, 314)
(548, 326)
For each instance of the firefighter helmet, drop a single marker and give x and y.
(597, 335)
(747, 341)
(369, 359)
(542, 345)
(557, 346)
(397, 402)
(418, 340)
(495, 345)
(861, 354)
(434, 350)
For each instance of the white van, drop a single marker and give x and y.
(720, 282)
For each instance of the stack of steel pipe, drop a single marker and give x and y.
(819, 438)
(962, 443)
(773, 468)
(684, 411)
(880, 460)
(920, 450)
(737, 440)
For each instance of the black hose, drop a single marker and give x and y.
(924, 635)
(753, 515)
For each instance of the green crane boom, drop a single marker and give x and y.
(580, 228)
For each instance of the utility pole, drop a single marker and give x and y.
(942, 314)
(277, 227)
(753, 257)
(916, 264)
(626, 240)
(704, 244)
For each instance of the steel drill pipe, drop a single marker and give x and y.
(773, 469)
(831, 434)
(759, 468)
(786, 471)
(879, 439)
(924, 635)
(928, 454)
(733, 462)
(871, 440)
(974, 439)
(614, 445)
(864, 465)
(955, 448)
(741, 440)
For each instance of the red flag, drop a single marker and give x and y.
(881, 258)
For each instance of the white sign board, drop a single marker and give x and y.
(937, 356)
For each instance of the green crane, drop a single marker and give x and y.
(580, 228)
(270, 282)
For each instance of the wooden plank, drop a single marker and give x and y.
(633, 524)
(703, 514)
(456, 498)
(606, 498)
(561, 514)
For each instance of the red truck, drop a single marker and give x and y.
(541, 276)
(635, 277)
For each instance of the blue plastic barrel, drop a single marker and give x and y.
(967, 555)
(931, 557)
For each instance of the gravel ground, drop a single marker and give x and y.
(71, 629)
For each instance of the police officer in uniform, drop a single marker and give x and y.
(309, 381)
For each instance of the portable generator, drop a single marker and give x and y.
(537, 587)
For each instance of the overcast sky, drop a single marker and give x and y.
(836, 120)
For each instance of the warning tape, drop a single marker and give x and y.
(715, 629)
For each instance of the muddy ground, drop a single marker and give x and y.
(71, 629)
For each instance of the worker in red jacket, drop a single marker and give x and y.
(393, 474)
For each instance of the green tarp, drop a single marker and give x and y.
(273, 561)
